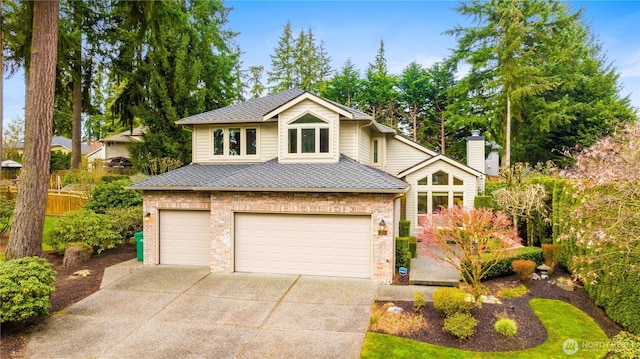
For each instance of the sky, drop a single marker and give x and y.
(411, 31)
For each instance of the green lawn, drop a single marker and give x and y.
(562, 320)
(49, 221)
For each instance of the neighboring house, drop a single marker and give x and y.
(113, 151)
(62, 144)
(294, 183)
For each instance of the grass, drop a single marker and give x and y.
(562, 321)
(49, 221)
(395, 323)
(516, 292)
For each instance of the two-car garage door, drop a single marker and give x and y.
(328, 245)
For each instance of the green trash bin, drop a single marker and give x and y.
(139, 236)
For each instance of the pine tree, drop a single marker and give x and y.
(345, 86)
(281, 74)
(379, 95)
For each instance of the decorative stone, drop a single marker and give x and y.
(544, 267)
(394, 309)
(535, 276)
(543, 276)
(567, 287)
(76, 255)
(81, 273)
(490, 299)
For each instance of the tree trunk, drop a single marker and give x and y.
(506, 162)
(414, 117)
(76, 124)
(442, 142)
(28, 222)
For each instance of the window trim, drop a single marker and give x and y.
(316, 127)
(227, 145)
(452, 190)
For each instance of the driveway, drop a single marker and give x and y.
(188, 312)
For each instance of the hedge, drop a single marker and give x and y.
(413, 246)
(403, 254)
(504, 266)
(483, 202)
(404, 228)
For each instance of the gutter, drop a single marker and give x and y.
(269, 189)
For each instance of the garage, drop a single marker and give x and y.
(185, 237)
(311, 244)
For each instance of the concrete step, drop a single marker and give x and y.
(431, 272)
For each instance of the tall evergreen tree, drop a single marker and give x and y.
(26, 232)
(379, 95)
(506, 47)
(441, 80)
(281, 75)
(345, 86)
(414, 90)
(256, 88)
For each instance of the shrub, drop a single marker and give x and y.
(418, 301)
(504, 266)
(516, 292)
(460, 325)
(451, 301)
(80, 177)
(25, 288)
(112, 195)
(506, 327)
(113, 178)
(551, 253)
(59, 161)
(413, 246)
(87, 227)
(126, 221)
(403, 255)
(625, 345)
(524, 269)
(404, 228)
(6, 214)
(483, 202)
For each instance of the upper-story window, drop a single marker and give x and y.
(308, 134)
(235, 141)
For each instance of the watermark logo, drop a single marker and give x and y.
(570, 346)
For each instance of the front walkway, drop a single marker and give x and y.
(431, 272)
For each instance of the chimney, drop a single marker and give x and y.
(475, 155)
(492, 163)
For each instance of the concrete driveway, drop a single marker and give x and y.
(188, 312)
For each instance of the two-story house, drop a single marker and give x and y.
(294, 183)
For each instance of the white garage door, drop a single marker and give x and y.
(328, 245)
(185, 237)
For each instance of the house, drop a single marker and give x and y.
(294, 183)
(113, 151)
(62, 144)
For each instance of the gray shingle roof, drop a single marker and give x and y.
(63, 142)
(255, 109)
(346, 175)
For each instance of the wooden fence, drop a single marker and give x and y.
(58, 202)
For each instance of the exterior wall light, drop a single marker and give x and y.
(147, 217)
(382, 228)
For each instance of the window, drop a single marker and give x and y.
(423, 203)
(457, 181)
(235, 141)
(439, 199)
(424, 181)
(308, 134)
(440, 178)
(375, 151)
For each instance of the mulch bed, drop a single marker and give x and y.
(69, 290)
(531, 332)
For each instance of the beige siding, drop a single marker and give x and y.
(349, 138)
(470, 187)
(308, 106)
(116, 149)
(201, 143)
(268, 141)
(401, 156)
(365, 146)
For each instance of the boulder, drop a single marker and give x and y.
(76, 254)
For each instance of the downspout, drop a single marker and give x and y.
(358, 138)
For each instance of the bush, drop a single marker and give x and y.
(413, 246)
(126, 221)
(112, 195)
(418, 301)
(506, 327)
(524, 269)
(451, 301)
(504, 266)
(404, 228)
(59, 161)
(483, 202)
(80, 177)
(403, 255)
(551, 253)
(460, 325)
(625, 345)
(25, 288)
(113, 178)
(6, 214)
(87, 227)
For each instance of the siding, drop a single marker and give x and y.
(348, 139)
(365, 146)
(201, 145)
(268, 141)
(401, 156)
(470, 188)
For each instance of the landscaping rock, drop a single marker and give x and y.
(490, 299)
(81, 273)
(535, 276)
(394, 309)
(76, 255)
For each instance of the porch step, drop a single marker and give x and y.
(428, 271)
